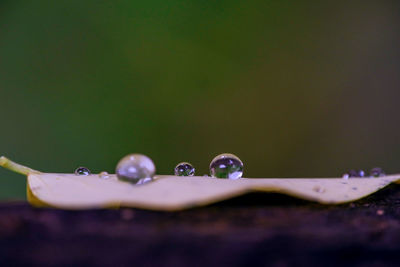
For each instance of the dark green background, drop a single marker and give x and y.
(292, 88)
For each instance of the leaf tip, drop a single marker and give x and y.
(3, 160)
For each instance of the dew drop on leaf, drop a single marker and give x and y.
(82, 171)
(184, 169)
(134, 167)
(226, 166)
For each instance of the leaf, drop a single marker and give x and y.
(170, 193)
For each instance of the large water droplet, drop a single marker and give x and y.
(226, 166)
(134, 167)
(184, 169)
(82, 171)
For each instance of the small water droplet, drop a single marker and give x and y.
(346, 176)
(184, 169)
(104, 175)
(226, 166)
(319, 189)
(134, 167)
(376, 172)
(82, 171)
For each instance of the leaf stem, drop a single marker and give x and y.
(15, 167)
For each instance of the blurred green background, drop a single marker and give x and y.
(295, 89)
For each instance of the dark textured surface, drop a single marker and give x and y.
(257, 229)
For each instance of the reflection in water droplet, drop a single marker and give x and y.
(226, 166)
(104, 175)
(135, 167)
(144, 180)
(184, 169)
(82, 171)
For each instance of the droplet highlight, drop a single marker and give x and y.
(226, 166)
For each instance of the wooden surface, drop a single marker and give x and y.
(257, 229)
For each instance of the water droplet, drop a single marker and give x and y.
(104, 175)
(346, 176)
(376, 172)
(82, 171)
(134, 167)
(226, 166)
(184, 169)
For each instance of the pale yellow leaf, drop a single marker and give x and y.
(69, 191)
(170, 193)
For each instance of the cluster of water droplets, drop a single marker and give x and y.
(374, 172)
(224, 166)
(133, 168)
(140, 169)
